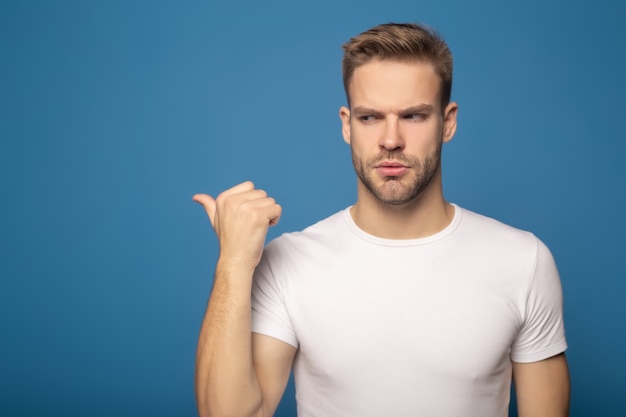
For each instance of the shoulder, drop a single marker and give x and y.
(321, 235)
(500, 242)
(331, 225)
(482, 228)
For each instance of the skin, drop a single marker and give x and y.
(396, 118)
(237, 372)
(542, 388)
(395, 129)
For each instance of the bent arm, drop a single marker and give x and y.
(542, 388)
(236, 374)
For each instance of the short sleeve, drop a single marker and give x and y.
(269, 312)
(542, 334)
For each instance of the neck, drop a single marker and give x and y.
(428, 214)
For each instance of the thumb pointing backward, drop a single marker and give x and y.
(208, 203)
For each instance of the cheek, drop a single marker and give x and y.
(422, 135)
(366, 135)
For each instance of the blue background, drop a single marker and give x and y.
(114, 113)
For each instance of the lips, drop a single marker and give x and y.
(391, 169)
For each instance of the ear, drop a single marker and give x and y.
(344, 115)
(449, 121)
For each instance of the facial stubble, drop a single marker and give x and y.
(395, 190)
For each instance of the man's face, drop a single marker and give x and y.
(395, 129)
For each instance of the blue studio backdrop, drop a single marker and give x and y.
(114, 113)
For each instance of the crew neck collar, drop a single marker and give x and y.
(403, 242)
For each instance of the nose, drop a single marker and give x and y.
(392, 138)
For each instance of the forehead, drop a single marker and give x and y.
(395, 84)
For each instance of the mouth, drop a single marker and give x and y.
(391, 169)
(390, 164)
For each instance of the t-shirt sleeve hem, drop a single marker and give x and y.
(276, 334)
(541, 355)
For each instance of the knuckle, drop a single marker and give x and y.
(247, 207)
(220, 198)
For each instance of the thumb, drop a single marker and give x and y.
(208, 203)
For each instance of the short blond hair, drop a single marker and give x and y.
(404, 42)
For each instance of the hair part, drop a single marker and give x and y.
(402, 42)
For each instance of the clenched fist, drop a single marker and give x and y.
(241, 217)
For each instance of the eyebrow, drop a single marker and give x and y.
(420, 108)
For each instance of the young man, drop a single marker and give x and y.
(400, 305)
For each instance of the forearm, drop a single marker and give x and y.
(226, 383)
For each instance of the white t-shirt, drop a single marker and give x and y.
(420, 327)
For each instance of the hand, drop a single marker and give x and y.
(241, 217)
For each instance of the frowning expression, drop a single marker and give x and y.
(395, 128)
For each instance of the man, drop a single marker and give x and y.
(400, 305)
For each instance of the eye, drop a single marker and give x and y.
(417, 117)
(368, 118)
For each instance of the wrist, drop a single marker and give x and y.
(234, 267)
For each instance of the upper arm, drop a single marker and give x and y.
(272, 359)
(542, 388)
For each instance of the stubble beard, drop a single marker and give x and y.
(398, 191)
